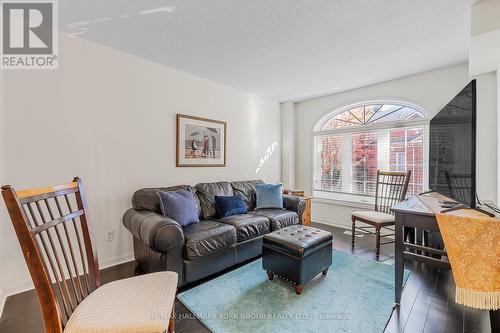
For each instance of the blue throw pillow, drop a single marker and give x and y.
(269, 196)
(179, 206)
(229, 205)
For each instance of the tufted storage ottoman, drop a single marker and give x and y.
(297, 253)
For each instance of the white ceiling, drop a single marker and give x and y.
(284, 50)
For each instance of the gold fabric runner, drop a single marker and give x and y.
(472, 241)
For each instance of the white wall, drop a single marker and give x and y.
(486, 145)
(109, 118)
(430, 90)
(484, 16)
(288, 145)
(498, 134)
(3, 215)
(484, 50)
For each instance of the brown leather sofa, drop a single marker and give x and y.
(211, 245)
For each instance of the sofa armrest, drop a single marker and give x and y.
(157, 231)
(294, 203)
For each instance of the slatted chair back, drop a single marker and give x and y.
(391, 189)
(459, 186)
(53, 230)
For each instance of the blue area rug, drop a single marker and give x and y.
(357, 295)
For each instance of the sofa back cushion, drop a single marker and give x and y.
(179, 206)
(246, 189)
(147, 198)
(206, 194)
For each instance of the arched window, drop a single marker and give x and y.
(350, 144)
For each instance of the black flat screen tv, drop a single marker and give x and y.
(452, 148)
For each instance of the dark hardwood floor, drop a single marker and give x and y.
(426, 306)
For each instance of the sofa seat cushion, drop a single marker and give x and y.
(248, 226)
(207, 237)
(279, 218)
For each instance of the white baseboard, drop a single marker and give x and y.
(116, 260)
(332, 223)
(22, 286)
(13, 289)
(343, 225)
(18, 287)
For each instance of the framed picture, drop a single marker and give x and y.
(200, 142)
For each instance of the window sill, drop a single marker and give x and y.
(345, 203)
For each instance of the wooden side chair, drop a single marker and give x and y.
(52, 226)
(391, 189)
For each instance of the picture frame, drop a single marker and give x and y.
(200, 142)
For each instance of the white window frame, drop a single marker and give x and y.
(357, 199)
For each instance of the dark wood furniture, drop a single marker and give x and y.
(306, 215)
(391, 188)
(38, 236)
(52, 227)
(418, 212)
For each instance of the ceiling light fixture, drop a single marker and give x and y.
(168, 9)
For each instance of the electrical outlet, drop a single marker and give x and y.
(110, 235)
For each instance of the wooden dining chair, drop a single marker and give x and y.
(391, 189)
(53, 229)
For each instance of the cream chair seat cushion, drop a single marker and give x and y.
(373, 216)
(138, 304)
